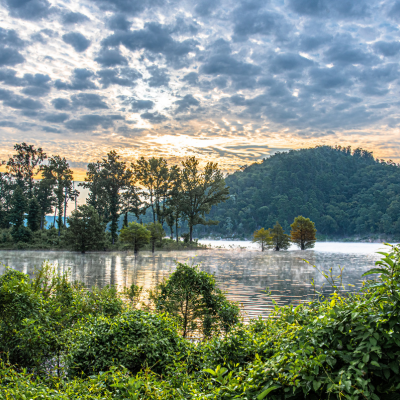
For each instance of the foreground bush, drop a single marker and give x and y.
(134, 339)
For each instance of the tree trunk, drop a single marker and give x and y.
(126, 219)
(191, 233)
(153, 243)
(172, 232)
(176, 230)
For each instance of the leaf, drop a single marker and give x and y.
(265, 392)
(376, 364)
(376, 271)
(365, 358)
(316, 385)
(210, 371)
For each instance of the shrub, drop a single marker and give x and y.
(134, 339)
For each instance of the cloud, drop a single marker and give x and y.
(185, 103)
(10, 44)
(154, 118)
(56, 118)
(81, 79)
(61, 104)
(140, 105)
(156, 39)
(18, 102)
(289, 62)
(205, 8)
(32, 10)
(122, 77)
(118, 22)
(34, 85)
(88, 100)
(387, 49)
(111, 58)
(126, 6)
(50, 129)
(159, 77)
(92, 122)
(77, 41)
(71, 18)
(341, 9)
(344, 52)
(227, 65)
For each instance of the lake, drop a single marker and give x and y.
(240, 268)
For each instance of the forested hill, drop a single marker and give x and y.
(343, 192)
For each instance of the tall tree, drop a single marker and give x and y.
(303, 233)
(152, 174)
(200, 191)
(19, 206)
(46, 198)
(33, 220)
(263, 237)
(173, 212)
(280, 240)
(132, 201)
(24, 165)
(85, 231)
(58, 172)
(6, 194)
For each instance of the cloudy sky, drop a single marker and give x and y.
(231, 81)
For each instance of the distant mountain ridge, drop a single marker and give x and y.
(344, 192)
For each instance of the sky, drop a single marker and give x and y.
(227, 81)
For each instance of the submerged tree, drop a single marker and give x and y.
(135, 234)
(280, 240)
(303, 233)
(263, 237)
(85, 231)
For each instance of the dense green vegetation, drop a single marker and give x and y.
(344, 193)
(61, 342)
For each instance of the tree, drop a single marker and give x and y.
(135, 234)
(303, 233)
(19, 206)
(153, 174)
(23, 166)
(57, 172)
(131, 201)
(157, 233)
(193, 298)
(280, 240)
(33, 220)
(200, 191)
(263, 237)
(85, 231)
(45, 196)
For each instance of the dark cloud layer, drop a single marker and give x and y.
(77, 41)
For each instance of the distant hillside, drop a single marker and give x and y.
(343, 192)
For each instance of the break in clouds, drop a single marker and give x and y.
(240, 77)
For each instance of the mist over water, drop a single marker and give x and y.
(240, 268)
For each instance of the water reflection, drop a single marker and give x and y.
(243, 274)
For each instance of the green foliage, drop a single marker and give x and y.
(192, 297)
(156, 233)
(85, 231)
(33, 220)
(133, 339)
(263, 237)
(341, 347)
(343, 192)
(136, 235)
(19, 205)
(303, 233)
(280, 240)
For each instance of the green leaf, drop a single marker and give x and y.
(376, 364)
(210, 371)
(376, 271)
(365, 358)
(265, 392)
(316, 385)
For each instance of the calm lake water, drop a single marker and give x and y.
(241, 269)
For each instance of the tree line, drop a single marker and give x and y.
(302, 234)
(35, 185)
